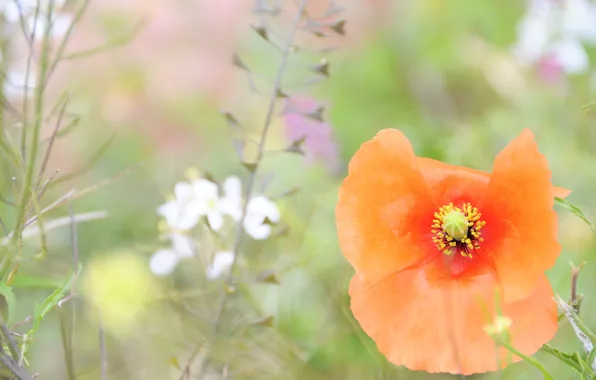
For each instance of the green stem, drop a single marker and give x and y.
(23, 205)
(528, 359)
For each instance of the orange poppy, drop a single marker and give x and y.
(431, 243)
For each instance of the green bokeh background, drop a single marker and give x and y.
(439, 72)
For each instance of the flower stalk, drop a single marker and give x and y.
(253, 167)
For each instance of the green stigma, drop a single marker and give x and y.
(455, 224)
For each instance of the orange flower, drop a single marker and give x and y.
(431, 243)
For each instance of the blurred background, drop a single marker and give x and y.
(146, 82)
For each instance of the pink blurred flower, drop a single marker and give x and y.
(550, 69)
(319, 144)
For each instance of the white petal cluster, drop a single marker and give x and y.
(557, 30)
(202, 199)
(22, 16)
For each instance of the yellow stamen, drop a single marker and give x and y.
(457, 229)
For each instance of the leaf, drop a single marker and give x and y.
(261, 31)
(238, 145)
(265, 322)
(251, 167)
(268, 277)
(321, 68)
(57, 295)
(231, 121)
(280, 94)
(72, 124)
(339, 27)
(236, 61)
(53, 300)
(570, 359)
(11, 302)
(576, 210)
(316, 114)
(296, 146)
(174, 362)
(88, 165)
(24, 281)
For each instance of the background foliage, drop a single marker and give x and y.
(158, 78)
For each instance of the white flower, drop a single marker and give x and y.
(579, 20)
(182, 245)
(222, 262)
(183, 212)
(207, 196)
(556, 30)
(534, 31)
(214, 206)
(231, 202)
(17, 83)
(258, 210)
(59, 27)
(163, 262)
(13, 9)
(571, 56)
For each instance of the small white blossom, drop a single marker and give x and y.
(258, 210)
(60, 24)
(557, 30)
(207, 196)
(183, 212)
(12, 10)
(221, 264)
(182, 245)
(571, 56)
(231, 202)
(163, 262)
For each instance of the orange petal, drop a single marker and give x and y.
(451, 183)
(435, 171)
(439, 327)
(520, 194)
(377, 229)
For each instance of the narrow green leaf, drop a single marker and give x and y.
(570, 360)
(11, 302)
(576, 210)
(52, 301)
(530, 360)
(24, 281)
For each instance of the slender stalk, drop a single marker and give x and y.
(34, 149)
(249, 187)
(103, 354)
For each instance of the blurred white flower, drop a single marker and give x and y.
(231, 202)
(183, 212)
(258, 210)
(554, 31)
(534, 31)
(215, 206)
(571, 56)
(579, 20)
(13, 9)
(222, 262)
(202, 198)
(17, 83)
(182, 245)
(163, 262)
(207, 197)
(60, 24)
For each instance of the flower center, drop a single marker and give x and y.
(457, 229)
